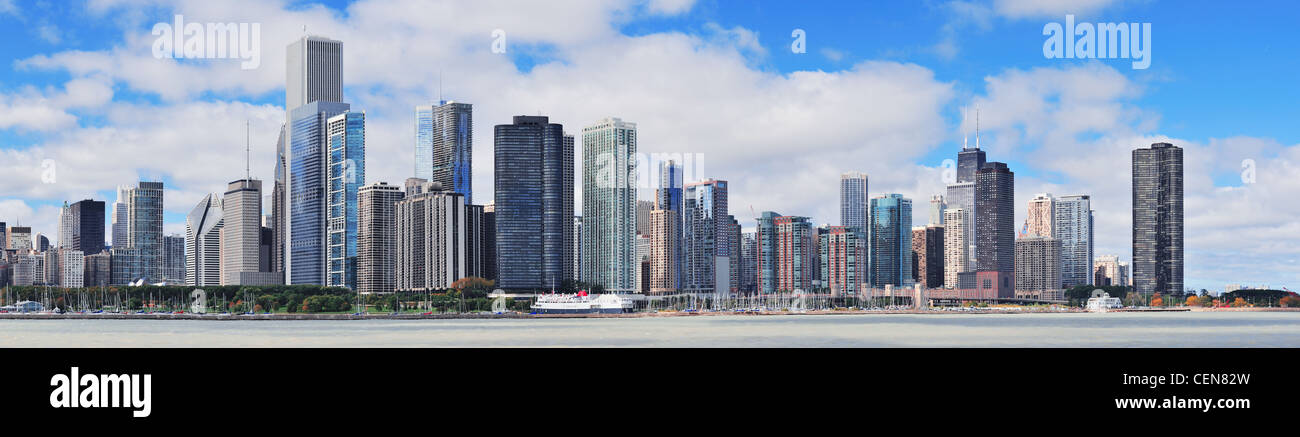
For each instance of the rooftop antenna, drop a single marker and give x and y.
(440, 100)
(977, 127)
(965, 133)
(248, 154)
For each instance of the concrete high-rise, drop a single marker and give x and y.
(1042, 216)
(202, 243)
(748, 263)
(704, 237)
(795, 258)
(1110, 271)
(609, 204)
(377, 237)
(173, 260)
(241, 235)
(766, 254)
(962, 196)
(844, 252)
(936, 209)
(995, 229)
(1073, 226)
(1158, 219)
(314, 67)
(432, 240)
(928, 256)
(1038, 268)
(853, 200)
(955, 245)
(347, 173)
(890, 244)
(534, 203)
(120, 217)
(665, 270)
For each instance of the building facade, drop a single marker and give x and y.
(995, 228)
(1073, 226)
(1038, 268)
(844, 252)
(891, 241)
(432, 241)
(704, 235)
(955, 246)
(609, 205)
(309, 175)
(795, 254)
(853, 200)
(347, 173)
(1158, 219)
(928, 256)
(534, 203)
(202, 243)
(444, 145)
(377, 237)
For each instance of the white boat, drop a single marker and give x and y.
(1101, 301)
(582, 303)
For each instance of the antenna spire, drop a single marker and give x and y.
(248, 153)
(965, 133)
(977, 127)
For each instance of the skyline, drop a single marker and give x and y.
(1057, 123)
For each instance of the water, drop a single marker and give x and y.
(1187, 329)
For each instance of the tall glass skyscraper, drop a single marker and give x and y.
(1158, 219)
(88, 233)
(203, 242)
(347, 173)
(308, 166)
(704, 234)
(313, 73)
(145, 228)
(609, 204)
(890, 241)
(766, 251)
(534, 203)
(853, 200)
(444, 145)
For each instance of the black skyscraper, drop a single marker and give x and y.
(534, 203)
(995, 226)
(1158, 219)
(89, 235)
(969, 162)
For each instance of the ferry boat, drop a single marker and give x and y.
(582, 303)
(1101, 302)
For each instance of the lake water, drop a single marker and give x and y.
(1187, 329)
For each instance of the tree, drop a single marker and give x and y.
(1239, 303)
(1157, 300)
(1192, 301)
(1292, 301)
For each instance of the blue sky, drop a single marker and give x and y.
(1221, 75)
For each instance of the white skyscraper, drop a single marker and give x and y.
(1073, 226)
(854, 201)
(203, 243)
(955, 245)
(120, 216)
(241, 235)
(609, 204)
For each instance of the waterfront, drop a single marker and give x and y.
(1183, 329)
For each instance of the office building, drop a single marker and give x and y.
(173, 259)
(1110, 271)
(795, 260)
(98, 268)
(309, 174)
(890, 241)
(120, 217)
(962, 196)
(241, 235)
(844, 253)
(202, 243)
(955, 245)
(347, 173)
(88, 229)
(928, 256)
(432, 240)
(145, 228)
(1042, 216)
(936, 209)
(748, 263)
(766, 255)
(665, 270)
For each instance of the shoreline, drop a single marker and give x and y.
(308, 317)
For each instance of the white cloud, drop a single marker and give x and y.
(1048, 8)
(669, 7)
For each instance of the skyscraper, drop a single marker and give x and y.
(309, 173)
(66, 225)
(1042, 216)
(669, 196)
(534, 203)
(241, 235)
(88, 233)
(489, 245)
(444, 145)
(704, 235)
(314, 73)
(955, 246)
(766, 261)
(202, 243)
(347, 173)
(377, 237)
(432, 240)
(844, 252)
(962, 196)
(891, 241)
(279, 210)
(577, 249)
(20, 238)
(1038, 268)
(853, 200)
(145, 228)
(995, 229)
(928, 255)
(173, 260)
(794, 253)
(120, 217)
(1073, 226)
(609, 204)
(1158, 219)
(936, 209)
(665, 269)
(748, 262)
